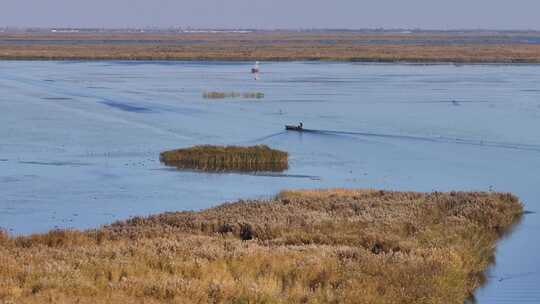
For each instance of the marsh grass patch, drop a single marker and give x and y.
(259, 158)
(313, 246)
(224, 95)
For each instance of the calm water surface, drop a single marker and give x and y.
(79, 141)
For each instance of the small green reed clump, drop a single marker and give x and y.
(223, 95)
(227, 158)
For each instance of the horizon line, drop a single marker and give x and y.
(217, 29)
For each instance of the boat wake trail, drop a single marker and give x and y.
(437, 139)
(72, 94)
(256, 140)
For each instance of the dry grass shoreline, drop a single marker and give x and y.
(279, 46)
(331, 246)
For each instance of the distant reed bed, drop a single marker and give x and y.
(479, 47)
(227, 158)
(223, 95)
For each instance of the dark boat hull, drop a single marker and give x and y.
(294, 128)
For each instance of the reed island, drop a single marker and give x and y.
(227, 158)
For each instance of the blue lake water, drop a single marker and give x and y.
(80, 141)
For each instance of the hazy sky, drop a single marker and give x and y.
(430, 14)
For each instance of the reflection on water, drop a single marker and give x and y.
(241, 167)
(488, 277)
(93, 147)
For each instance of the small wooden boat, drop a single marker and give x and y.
(294, 128)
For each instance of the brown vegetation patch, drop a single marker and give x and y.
(223, 95)
(276, 46)
(227, 158)
(332, 246)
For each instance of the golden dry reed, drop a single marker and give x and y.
(479, 47)
(315, 246)
(227, 158)
(223, 95)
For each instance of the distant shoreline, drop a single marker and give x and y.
(420, 48)
(216, 60)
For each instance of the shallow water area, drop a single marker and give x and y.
(80, 141)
